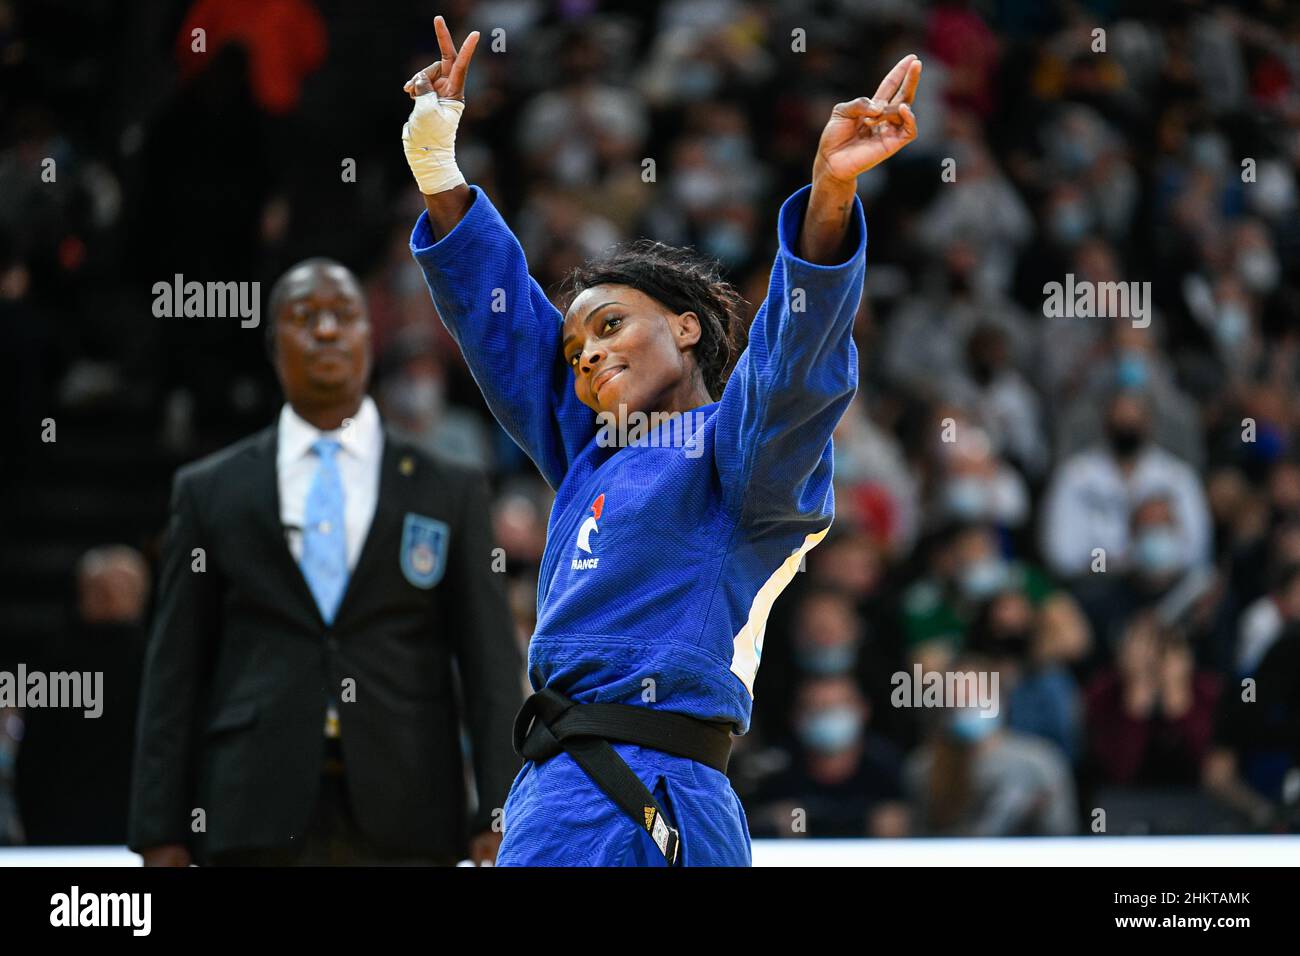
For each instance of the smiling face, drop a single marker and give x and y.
(322, 337)
(625, 348)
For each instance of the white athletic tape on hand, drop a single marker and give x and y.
(429, 138)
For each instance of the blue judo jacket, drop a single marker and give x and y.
(663, 557)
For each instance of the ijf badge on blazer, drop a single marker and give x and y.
(424, 550)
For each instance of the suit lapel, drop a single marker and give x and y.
(266, 510)
(396, 471)
(386, 526)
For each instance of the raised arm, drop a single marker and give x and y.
(446, 209)
(429, 137)
(478, 277)
(861, 133)
(799, 372)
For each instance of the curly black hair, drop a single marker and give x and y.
(681, 280)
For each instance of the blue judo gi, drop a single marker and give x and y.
(663, 557)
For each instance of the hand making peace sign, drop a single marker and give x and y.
(447, 76)
(864, 132)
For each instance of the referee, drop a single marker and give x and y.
(327, 618)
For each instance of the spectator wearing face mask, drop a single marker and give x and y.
(1230, 315)
(1130, 359)
(1042, 697)
(413, 400)
(977, 777)
(844, 777)
(815, 631)
(1159, 553)
(1091, 496)
(1150, 717)
(1156, 565)
(854, 566)
(969, 569)
(828, 635)
(974, 484)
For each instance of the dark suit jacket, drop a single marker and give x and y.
(240, 663)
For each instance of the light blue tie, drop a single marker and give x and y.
(324, 544)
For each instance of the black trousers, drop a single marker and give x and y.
(332, 838)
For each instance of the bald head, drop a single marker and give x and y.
(320, 339)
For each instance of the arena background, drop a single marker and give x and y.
(1113, 142)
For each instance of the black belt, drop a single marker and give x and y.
(549, 723)
(333, 765)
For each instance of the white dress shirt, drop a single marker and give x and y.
(1090, 501)
(361, 450)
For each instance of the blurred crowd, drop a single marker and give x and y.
(1104, 512)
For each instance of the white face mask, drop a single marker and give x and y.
(971, 726)
(830, 730)
(983, 578)
(966, 497)
(1274, 193)
(1069, 222)
(1158, 550)
(1259, 270)
(1232, 324)
(416, 397)
(698, 189)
